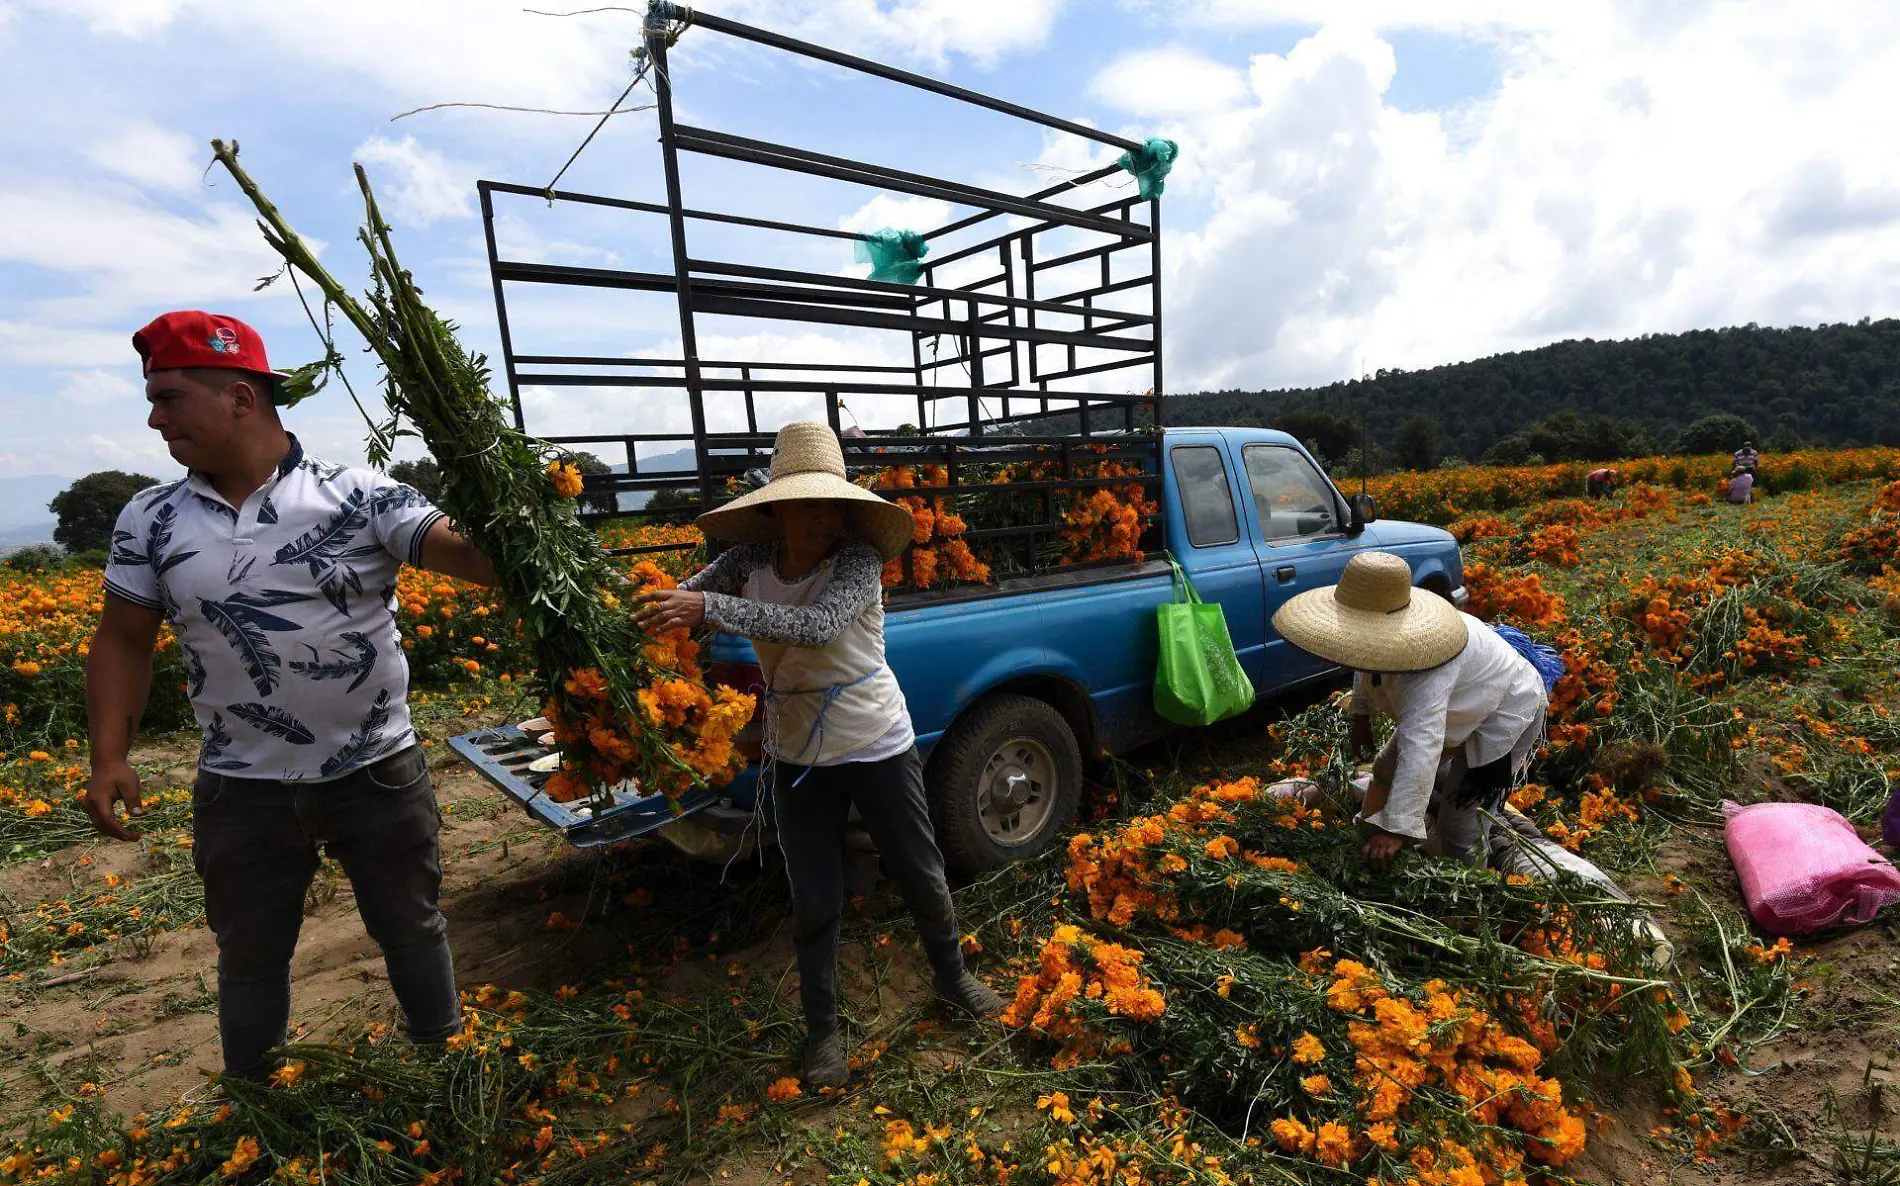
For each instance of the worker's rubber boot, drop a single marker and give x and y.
(824, 1060)
(970, 994)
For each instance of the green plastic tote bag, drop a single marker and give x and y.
(1198, 679)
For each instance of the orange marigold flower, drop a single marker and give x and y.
(1292, 1136)
(784, 1089)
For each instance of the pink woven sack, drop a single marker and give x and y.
(1804, 869)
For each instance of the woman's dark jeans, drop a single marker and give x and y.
(811, 805)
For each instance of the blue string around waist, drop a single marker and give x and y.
(828, 696)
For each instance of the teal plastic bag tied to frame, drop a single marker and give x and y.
(894, 256)
(1150, 164)
(1198, 677)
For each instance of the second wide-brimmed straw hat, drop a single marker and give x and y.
(1374, 620)
(807, 462)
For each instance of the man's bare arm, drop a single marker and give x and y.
(118, 681)
(444, 551)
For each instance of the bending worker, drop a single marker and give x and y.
(1469, 707)
(806, 587)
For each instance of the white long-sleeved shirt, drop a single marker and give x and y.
(1488, 700)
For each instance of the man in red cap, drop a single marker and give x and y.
(277, 574)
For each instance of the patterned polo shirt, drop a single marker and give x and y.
(285, 609)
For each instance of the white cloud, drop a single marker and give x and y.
(1438, 15)
(426, 188)
(40, 344)
(1626, 177)
(904, 214)
(1167, 82)
(143, 449)
(96, 388)
(151, 156)
(930, 30)
(127, 254)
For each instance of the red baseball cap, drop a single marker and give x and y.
(194, 338)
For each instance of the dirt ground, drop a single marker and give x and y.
(143, 1025)
(148, 1020)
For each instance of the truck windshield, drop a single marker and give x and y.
(1290, 497)
(1207, 506)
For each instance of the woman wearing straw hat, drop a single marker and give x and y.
(1469, 707)
(805, 585)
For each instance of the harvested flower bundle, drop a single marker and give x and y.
(623, 705)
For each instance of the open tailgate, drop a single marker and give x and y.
(502, 755)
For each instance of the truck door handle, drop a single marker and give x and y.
(1284, 572)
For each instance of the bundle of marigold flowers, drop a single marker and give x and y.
(625, 706)
(939, 555)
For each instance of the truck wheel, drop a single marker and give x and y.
(1005, 784)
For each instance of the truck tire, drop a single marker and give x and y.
(1005, 784)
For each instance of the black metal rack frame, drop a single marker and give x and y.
(1004, 325)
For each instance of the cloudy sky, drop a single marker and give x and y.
(1363, 183)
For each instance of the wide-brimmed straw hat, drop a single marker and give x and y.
(1374, 620)
(807, 462)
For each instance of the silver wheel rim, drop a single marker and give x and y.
(1016, 793)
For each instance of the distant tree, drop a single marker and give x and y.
(605, 503)
(1415, 445)
(1720, 433)
(1514, 449)
(672, 505)
(1323, 432)
(423, 476)
(89, 508)
(35, 558)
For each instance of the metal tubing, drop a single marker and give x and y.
(828, 315)
(501, 307)
(676, 218)
(760, 152)
(704, 20)
(929, 294)
(769, 224)
(1040, 195)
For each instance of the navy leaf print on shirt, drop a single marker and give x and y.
(158, 494)
(122, 552)
(359, 665)
(325, 544)
(274, 721)
(368, 742)
(385, 499)
(194, 671)
(215, 506)
(329, 549)
(268, 512)
(217, 739)
(158, 537)
(243, 619)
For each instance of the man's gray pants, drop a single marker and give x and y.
(256, 848)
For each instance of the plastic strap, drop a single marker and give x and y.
(1181, 582)
(830, 694)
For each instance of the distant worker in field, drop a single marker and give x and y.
(1469, 705)
(1747, 457)
(277, 574)
(1600, 482)
(1741, 486)
(806, 587)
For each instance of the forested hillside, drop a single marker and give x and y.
(1832, 385)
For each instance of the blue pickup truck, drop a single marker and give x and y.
(1015, 688)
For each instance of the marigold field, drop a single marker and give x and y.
(1205, 983)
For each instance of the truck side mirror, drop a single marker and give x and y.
(1365, 509)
